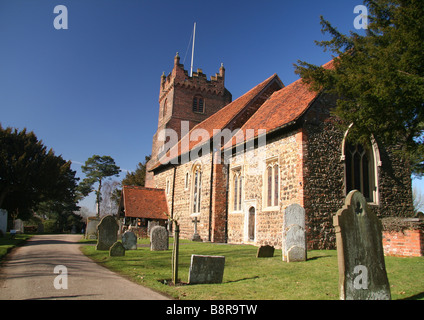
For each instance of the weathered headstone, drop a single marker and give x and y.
(19, 226)
(150, 225)
(206, 269)
(196, 236)
(91, 228)
(129, 240)
(265, 252)
(294, 234)
(362, 271)
(159, 239)
(107, 233)
(117, 250)
(3, 221)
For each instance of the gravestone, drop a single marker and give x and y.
(362, 271)
(3, 221)
(129, 240)
(196, 236)
(117, 250)
(294, 234)
(91, 228)
(19, 226)
(107, 233)
(265, 252)
(206, 269)
(159, 239)
(150, 225)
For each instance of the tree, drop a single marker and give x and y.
(379, 76)
(30, 175)
(136, 178)
(96, 169)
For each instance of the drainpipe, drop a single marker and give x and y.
(226, 203)
(172, 200)
(210, 198)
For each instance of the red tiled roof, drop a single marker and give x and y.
(219, 120)
(142, 202)
(282, 108)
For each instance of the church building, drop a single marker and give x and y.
(234, 166)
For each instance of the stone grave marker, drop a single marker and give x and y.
(129, 240)
(196, 236)
(91, 227)
(265, 252)
(117, 250)
(19, 226)
(3, 221)
(107, 233)
(294, 234)
(362, 271)
(159, 239)
(206, 269)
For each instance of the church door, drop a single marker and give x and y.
(252, 223)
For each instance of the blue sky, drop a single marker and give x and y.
(93, 88)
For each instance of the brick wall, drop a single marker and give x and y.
(287, 151)
(183, 194)
(406, 243)
(324, 176)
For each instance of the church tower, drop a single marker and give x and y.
(185, 100)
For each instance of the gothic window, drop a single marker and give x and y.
(272, 178)
(198, 104)
(360, 171)
(236, 190)
(251, 224)
(197, 189)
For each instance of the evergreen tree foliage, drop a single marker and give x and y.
(379, 76)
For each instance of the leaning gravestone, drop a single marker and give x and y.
(3, 221)
(362, 271)
(107, 233)
(117, 250)
(159, 239)
(265, 252)
(294, 234)
(91, 228)
(129, 240)
(206, 269)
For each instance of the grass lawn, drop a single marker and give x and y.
(249, 278)
(7, 244)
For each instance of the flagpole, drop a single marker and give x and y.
(192, 50)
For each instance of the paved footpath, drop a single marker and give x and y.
(28, 273)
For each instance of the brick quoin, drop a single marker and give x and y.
(219, 202)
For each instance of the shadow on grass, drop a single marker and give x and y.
(238, 280)
(417, 296)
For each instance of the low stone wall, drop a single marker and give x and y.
(403, 237)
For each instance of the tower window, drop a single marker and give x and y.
(198, 104)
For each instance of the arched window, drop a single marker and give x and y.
(272, 178)
(251, 224)
(360, 170)
(237, 189)
(196, 188)
(198, 104)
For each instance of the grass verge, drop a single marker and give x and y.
(7, 243)
(249, 278)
